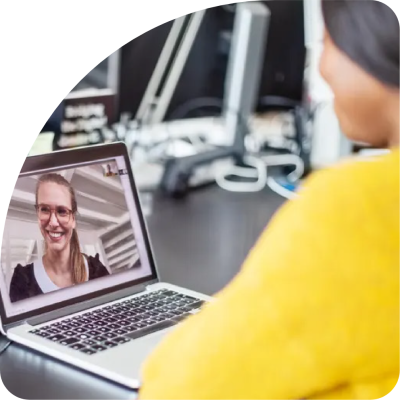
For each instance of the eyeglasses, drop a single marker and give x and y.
(44, 211)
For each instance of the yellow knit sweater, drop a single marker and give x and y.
(314, 312)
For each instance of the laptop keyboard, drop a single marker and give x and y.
(119, 323)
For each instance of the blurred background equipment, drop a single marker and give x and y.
(230, 95)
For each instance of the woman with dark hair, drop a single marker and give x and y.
(63, 265)
(314, 312)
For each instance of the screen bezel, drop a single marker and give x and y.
(67, 158)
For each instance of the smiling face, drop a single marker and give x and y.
(58, 228)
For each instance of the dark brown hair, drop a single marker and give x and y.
(76, 257)
(367, 31)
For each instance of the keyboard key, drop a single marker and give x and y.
(83, 336)
(171, 307)
(89, 342)
(68, 341)
(120, 331)
(100, 323)
(98, 347)
(110, 335)
(99, 338)
(104, 315)
(64, 327)
(110, 344)
(140, 310)
(151, 329)
(122, 339)
(87, 351)
(57, 338)
(130, 328)
(149, 322)
(110, 320)
(153, 313)
(130, 313)
(95, 318)
(77, 346)
(43, 334)
(90, 326)
(159, 318)
(124, 323)
(118, 310)
(114, 326)
(81, 330)
(93, 333)
(69, 333)
(139, 325)
(168, 293)
(176, 312)
(74, 324)
(52, 331)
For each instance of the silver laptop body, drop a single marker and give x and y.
(106, 325)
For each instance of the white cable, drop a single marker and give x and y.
(284, 160)
(279, 189)
(258, 169)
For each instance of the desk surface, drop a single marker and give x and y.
(199, 243)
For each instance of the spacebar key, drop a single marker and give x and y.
(151, 329)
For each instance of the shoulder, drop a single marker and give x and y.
(23, 283)
(362, 187)
(22, 273)
(96, 267)
(345, 211)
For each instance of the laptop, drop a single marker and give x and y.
(80, 209)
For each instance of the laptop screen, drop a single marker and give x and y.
(70, 232)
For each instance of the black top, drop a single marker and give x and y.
(24, 284)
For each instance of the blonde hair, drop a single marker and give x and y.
(76, 257)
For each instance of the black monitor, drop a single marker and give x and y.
(204, 73)
(284, 61)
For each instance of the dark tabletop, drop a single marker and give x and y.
(199, 243)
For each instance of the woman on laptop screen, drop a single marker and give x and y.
(63, 265)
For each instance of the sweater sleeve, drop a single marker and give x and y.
(310, 310)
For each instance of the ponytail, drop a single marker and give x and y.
(77, 260)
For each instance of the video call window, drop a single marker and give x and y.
(65, 228)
